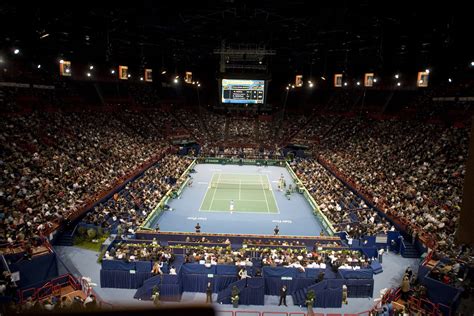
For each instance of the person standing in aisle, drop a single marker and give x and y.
(283, 295)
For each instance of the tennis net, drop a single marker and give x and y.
(240, 185)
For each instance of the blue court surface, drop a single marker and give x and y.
(294, 216)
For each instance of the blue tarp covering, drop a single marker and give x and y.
(356, 274)
(194, 278)
(118, 265)
(194, 282)
(327, 296)
(313, 273)
(122, 279)
(144, 266)
(195, 268)
(226, 270)
(251, 292)
(279, 272)
(439, 292)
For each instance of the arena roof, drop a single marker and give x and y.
(308, 36)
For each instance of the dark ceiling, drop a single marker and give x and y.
(309, 36)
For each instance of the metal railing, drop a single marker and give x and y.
(49, 288)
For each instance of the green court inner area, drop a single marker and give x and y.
(250, 193)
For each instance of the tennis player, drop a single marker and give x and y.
(231, 206)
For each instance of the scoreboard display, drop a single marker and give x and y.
(243, 91)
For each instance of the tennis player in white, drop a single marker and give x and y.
(231, 206)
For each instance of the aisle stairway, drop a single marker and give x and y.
(410, 251)
(66, 238)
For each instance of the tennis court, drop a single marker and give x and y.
(250, 193)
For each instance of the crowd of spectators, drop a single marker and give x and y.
(240, 152)
(345, 209)
(311, 133)
(131, 252)
(215, 125)
(191, 120)
(265, 133)
(301, 258)
(290, 124)
(412, 170)
(212, 255)
(53, 163)
(127, 209)
(241, 130)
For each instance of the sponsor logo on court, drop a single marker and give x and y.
(286, 221)
(194, 218)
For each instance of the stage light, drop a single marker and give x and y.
(141, 78)
(427, 70)
(44, 35)
(112, 71)
(88, 74)
(397, 76)
(16, 51)
(420, 82)
(375, 80)
(163, 72)
(129, 75)
(472, 63)
(292, 86)
(91, 67)
(61, 61)
(39, 66)
(311, 85)
(177, 77)
(260, 62)
(193, 82)
(287, 88)
(323, 78)
(399, 84)
(358, 83)
(199, 84)
(345, 84)
(175, 80)
(450, 80)
(68, 70)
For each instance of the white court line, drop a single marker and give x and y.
(202, 202)
(214, 194)
(234, 212)
(240, 200)
(240, 186)
(265, 193)
(241, 174)
(274, 198)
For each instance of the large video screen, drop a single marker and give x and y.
(243, 91)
